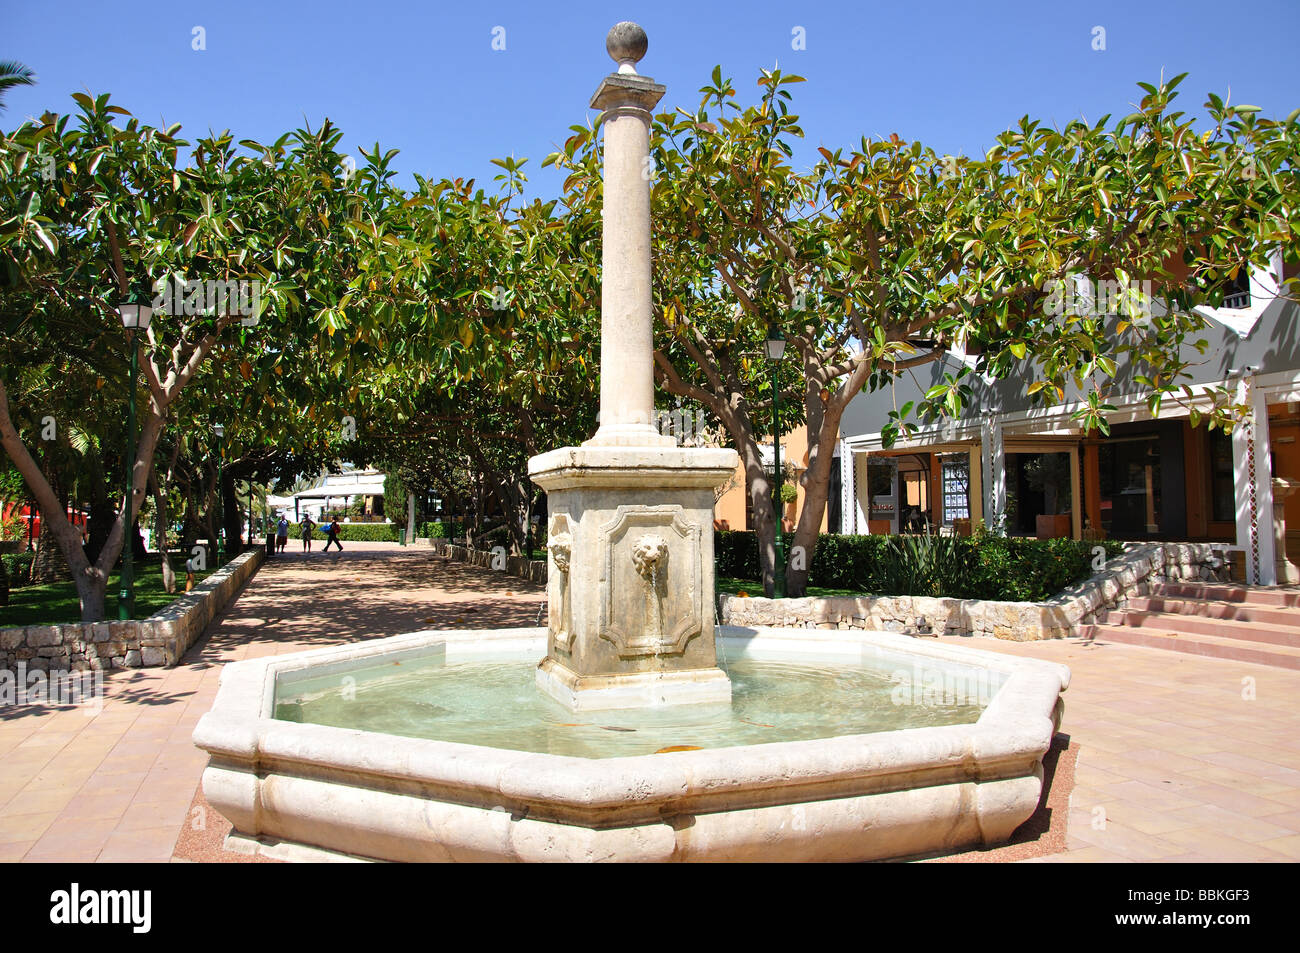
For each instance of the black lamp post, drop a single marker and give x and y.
(220, 431)
(136, 313)
(775, 346)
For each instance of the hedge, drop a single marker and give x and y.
(352, 532)
(979, 567)
(441, 530)
(18, 566)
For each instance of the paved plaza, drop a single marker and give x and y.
(1180, 758)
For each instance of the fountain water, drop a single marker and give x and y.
(433, 746)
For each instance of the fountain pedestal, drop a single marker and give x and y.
(631, 575)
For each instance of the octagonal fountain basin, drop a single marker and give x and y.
(438, 746)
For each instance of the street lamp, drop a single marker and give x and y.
(220, 431)
(775, 346)
(136, 313)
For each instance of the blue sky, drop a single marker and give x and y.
(422, 77)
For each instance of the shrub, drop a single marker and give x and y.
(440, 530)
(18, 566)
(981, 567)
(353, 532)
(395, 496)
(735, 553)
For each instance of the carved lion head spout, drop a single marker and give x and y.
(561, 546)
(649, 552)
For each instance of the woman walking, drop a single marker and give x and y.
(307, 527)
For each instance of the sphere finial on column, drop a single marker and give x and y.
(626, 43)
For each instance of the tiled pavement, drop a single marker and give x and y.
(1181, 757)
(117, 785)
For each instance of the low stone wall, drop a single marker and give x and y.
(1127, 575)
(160, 639)
(533, 570)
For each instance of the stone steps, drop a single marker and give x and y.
(1229, 621)
(1199, 624)
(1280, 656)
(1230, 611)
(1253, 595)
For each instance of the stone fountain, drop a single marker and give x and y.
(634, 744)
(631, 513)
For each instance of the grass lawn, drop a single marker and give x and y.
(752, 588)
(57, 602)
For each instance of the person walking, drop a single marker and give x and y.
(332, 531)
(281, 534)
(307, 527)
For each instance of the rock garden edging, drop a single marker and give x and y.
(533, 570)
(159, 640)
(1127, 575)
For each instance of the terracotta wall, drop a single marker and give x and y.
(794, 449)
(1284, 435)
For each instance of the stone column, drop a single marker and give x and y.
(626, 323)
(994, 473)
(1288, 574)
(630, 513)
(1253, 484)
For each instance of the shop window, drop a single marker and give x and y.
(1131, 505)
(882, 493)
(1038, 485)
(956, 488)
(1223, 504)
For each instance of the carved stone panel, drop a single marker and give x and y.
(652, 600)
(559, 613)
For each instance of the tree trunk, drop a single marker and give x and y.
(760, 495)
(816, 485)
(511, 492)
(478, 505)
(231, 519)
(100, 509)
(160, 535)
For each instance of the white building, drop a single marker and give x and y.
(1011, 460)
(334, 492)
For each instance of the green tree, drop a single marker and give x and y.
(888, 256)
(121, 213)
